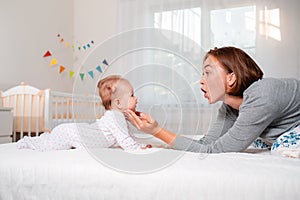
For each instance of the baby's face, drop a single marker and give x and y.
(127, 98)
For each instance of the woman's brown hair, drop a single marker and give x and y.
(235, 60)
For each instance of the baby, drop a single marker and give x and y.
(111, 130)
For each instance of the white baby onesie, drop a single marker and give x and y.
(111, 130)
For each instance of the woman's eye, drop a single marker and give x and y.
(205, 73)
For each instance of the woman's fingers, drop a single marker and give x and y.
(144, 123)
(133, 118)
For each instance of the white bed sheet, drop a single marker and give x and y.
(75, 174)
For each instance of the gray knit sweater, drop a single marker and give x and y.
(270, 107)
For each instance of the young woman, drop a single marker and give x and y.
(252, 106)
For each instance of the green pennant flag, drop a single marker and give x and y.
(81, 76)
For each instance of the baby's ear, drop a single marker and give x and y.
(119, 104)
(116, 103)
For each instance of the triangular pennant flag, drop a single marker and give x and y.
(81, 76)
(62, 40)
(92, 41)
(71, 73)
(53, 62)
(67, 44)
(91, 73)
(61, 69)
(47, 54)
(99, 68)
(104, 62)
(84, 47)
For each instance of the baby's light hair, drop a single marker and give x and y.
(107, 87)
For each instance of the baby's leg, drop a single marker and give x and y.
(62, 137)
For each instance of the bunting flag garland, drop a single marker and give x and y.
(47, 54)
(61, 69)
(105, 62)
(71, 73)
(81, 76)
(53, 62)
(98, 68)
(91, 73)
(67, 44)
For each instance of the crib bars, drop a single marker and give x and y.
(36, 111)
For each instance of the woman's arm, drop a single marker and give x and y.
(147, 124)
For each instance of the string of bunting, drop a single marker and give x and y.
(62, 68)
(67, 44)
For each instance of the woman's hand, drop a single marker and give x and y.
(144, 122)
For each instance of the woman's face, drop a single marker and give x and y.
(213, 81)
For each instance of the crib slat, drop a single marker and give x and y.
(47, 109)
(55, 110)
(68, 109)
(29, 114)
(22, 115)
(38, 103)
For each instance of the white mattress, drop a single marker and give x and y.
(149, 174)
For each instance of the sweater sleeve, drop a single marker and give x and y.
(255, 115)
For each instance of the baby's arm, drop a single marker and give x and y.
(120, 131)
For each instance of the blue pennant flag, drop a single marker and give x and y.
(91, 73)
(104, 62)
(99, 68)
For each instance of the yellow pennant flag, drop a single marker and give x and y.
(53, 62)
(67, 44)
(71, 73)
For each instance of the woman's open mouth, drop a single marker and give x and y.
(205, 93)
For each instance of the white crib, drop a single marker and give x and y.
(36, 111)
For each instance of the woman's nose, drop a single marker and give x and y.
(201, 81)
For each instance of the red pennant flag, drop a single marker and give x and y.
(47, 54)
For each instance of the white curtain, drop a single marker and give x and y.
(161, 44)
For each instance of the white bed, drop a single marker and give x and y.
(155, 173)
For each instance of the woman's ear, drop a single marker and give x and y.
(231, 79)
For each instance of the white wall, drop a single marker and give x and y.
(28, 29)
(93, 20)
(281, 58)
